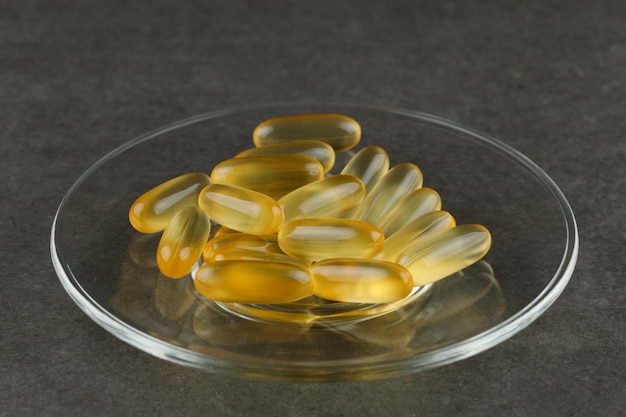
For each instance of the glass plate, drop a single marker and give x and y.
(109, 270)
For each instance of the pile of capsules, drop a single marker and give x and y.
(289, 230)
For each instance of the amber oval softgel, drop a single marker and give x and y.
(219, 246)
(316, 239)
(414, 205)
(241, 209)
(369, 165)
(444, 253)
(182, 242)
(274, 175)
(339, 131)
(329, 197)
(154, 209)
(390, 190)
(419, 228)
(316, 149)
(253, 281)
(360, 280)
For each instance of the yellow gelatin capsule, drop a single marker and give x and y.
(253, 282)
(339, 131)
(329, 197)
(360, 280)
(368, 165)
(318, 150)
(274, 175)
(151, 212)
(414, 205)
(421, 227)
(241, 209)
(445, 252)
(316, 239)
(182, 242)
(390, 190)
(218, 246)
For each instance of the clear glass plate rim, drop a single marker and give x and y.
(440, 356)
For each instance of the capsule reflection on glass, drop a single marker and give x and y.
(241, 209)
(445, 252)
(153, 210)
(274, 175)
(253, 282)
(419, 228)
(316, 239)
(414, 205)
(339, 131)
(390, 190)
(329, 197)
(316, 149)
(369, 165)
(360, 280)
(182, 242)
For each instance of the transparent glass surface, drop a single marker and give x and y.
(109, 269)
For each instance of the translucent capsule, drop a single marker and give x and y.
(339, 131)
(234, 244)
(368, 165)
(414, 205)
(182, 242)
(390, 190)
(316, 239)
(274, 175)
(360, 280)
(445, 252)
(251, 281)
(419, 228)
(329, 197)
(151, 212)
(241, 209)
(318, 150)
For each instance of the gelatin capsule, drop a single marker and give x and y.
(368, 165)
(153, 210)
(445, 252)
(274, 175)
(240, 241)
(339, 131)
(390, 190)
(241, 209)
(182, 242)
(318, 150)
(258, 282)
(329, 197)
(360, 280)
(414, 205)
(316, 239)
(421, 227)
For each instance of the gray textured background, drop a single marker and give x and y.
(78, 78)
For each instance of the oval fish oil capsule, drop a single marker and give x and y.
(273, 175)
(419, 202)
(390, 190)
(339, 131)
(419, 228)
(368, 165)
(445, 252)
(240, 241)
(360, 280)
(253, 282)
(241, 209)
(329, 197)
(316, 149)
(151, 212)
(182, 242)
(316, 239)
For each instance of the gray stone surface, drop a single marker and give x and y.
(78, 78)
